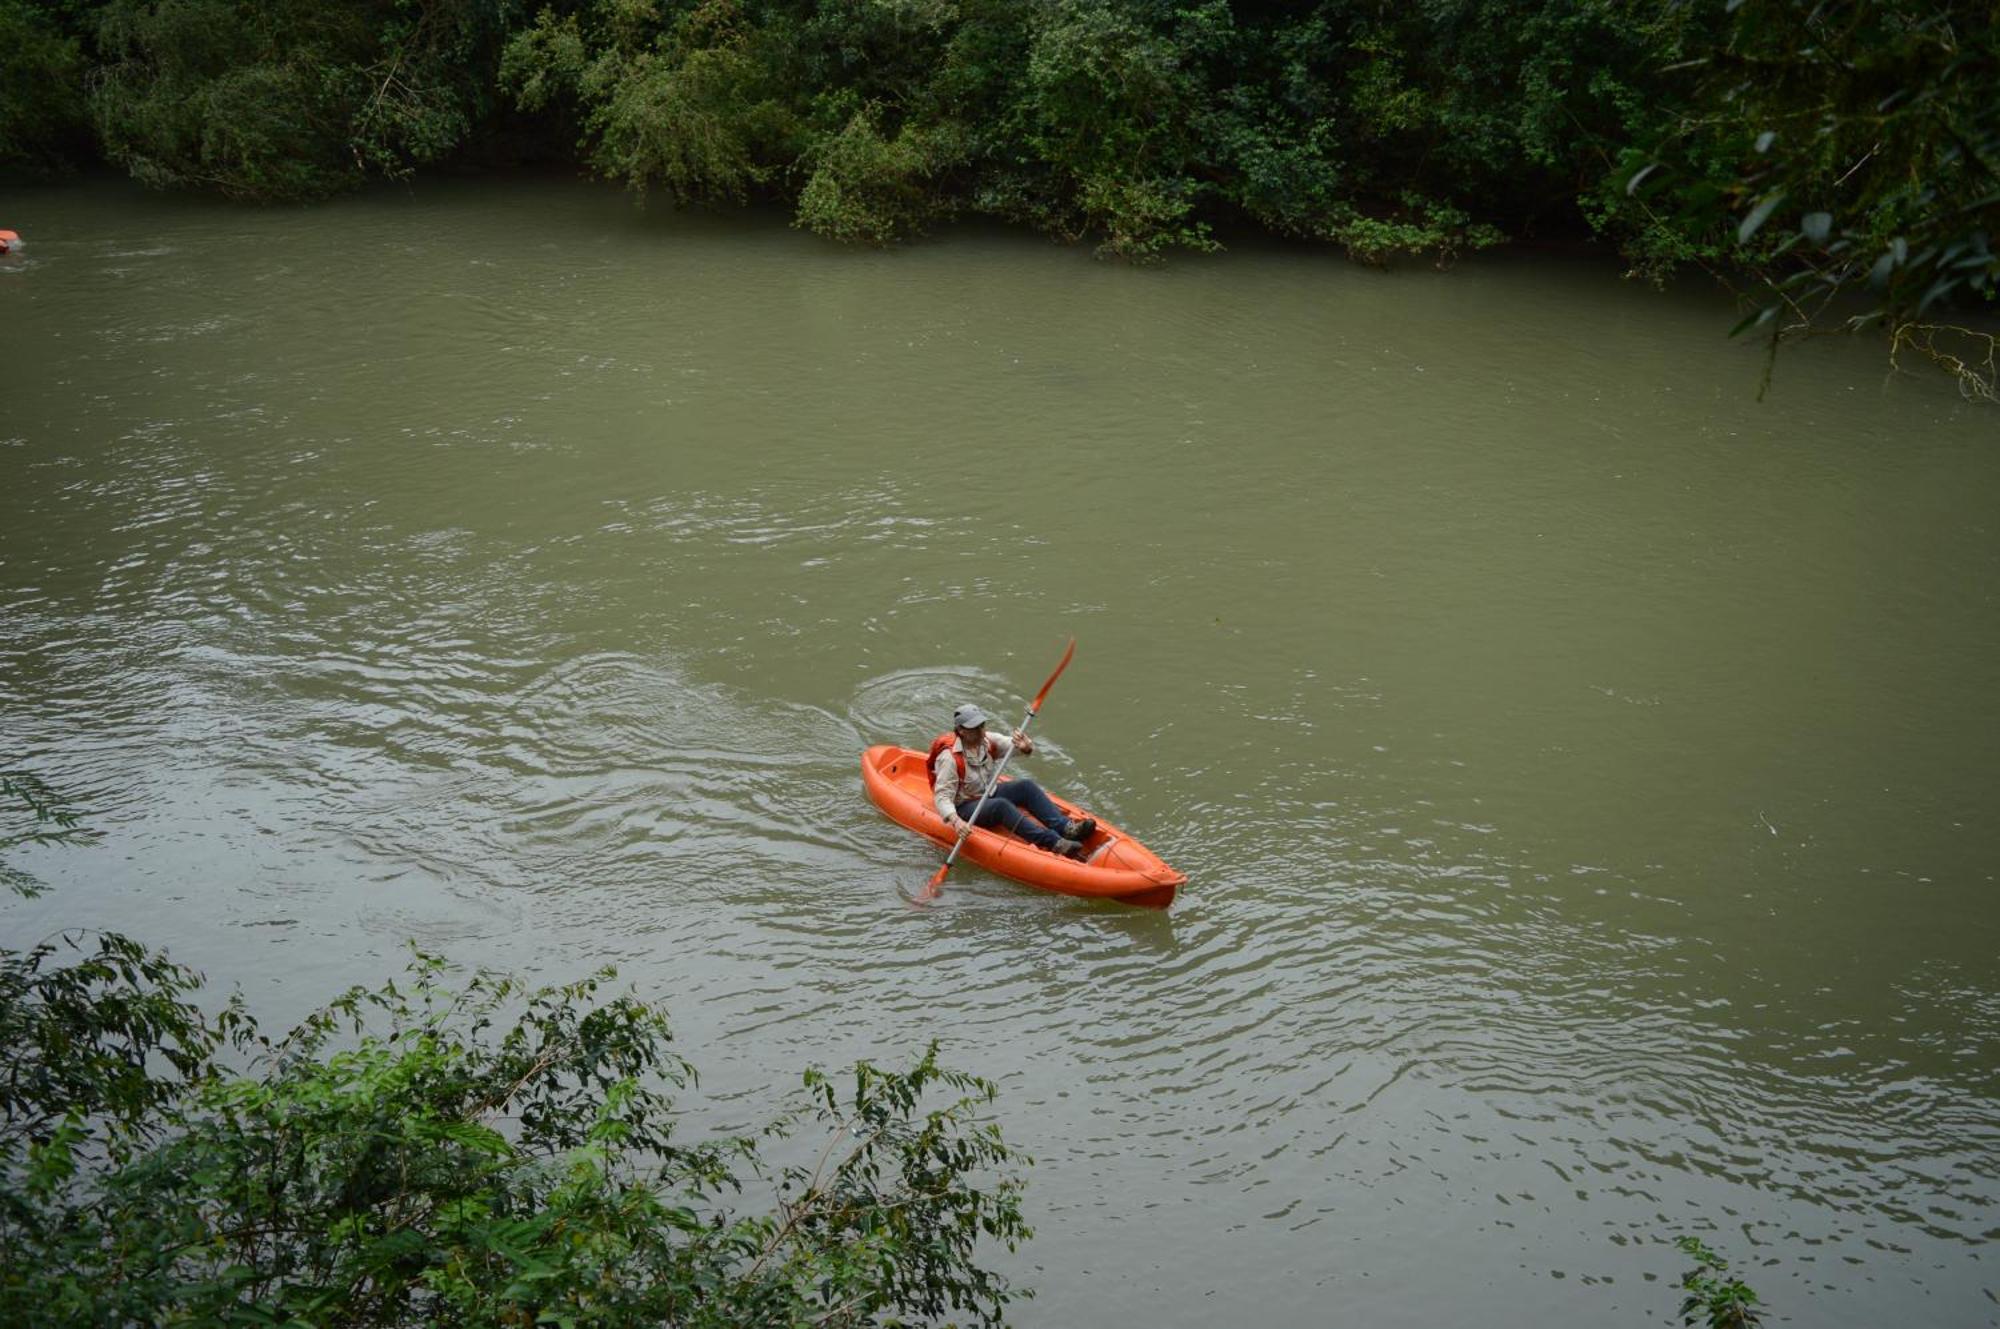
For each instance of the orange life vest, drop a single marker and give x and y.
(939, 744)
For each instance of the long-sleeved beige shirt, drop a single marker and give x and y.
(979, 771)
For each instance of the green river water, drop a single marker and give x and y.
(1585, 771)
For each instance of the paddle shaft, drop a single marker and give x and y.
(1034, 709)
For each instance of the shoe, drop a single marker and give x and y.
(1080, 831)
(1067, 848)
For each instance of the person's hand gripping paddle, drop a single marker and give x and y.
(936, 883)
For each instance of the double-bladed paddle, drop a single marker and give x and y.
(936, 883)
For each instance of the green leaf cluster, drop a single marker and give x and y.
(1715, 1299)
(41, 816)
(292, 99)
(44, 128)
(1142, 124)
(440, 1152)
(1845, 154)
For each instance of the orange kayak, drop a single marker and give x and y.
(1114, 867)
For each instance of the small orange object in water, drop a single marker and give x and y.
(9, 241)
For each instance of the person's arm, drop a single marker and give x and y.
(944, 791)
(1020, 743)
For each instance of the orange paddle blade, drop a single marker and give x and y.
(1035, 707)
(935, 884)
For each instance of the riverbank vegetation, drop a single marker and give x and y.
(1838, 162)
(464, 1153)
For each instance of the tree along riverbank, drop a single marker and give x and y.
(1800, 153)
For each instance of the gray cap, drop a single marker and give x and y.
(968, 716)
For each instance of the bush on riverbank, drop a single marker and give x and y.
(291, 100)
(473, 1154)
(1845, 160)
(434, 1172)
(1850, 146)
(43, 127)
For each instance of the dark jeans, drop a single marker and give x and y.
(1019, 805)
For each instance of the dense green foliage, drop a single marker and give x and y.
(1818, 148)
(467, 1154)
(1844, 147)
(43, 128)
(1382, 129)
(289, 99)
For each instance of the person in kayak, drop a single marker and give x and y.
(963, 764)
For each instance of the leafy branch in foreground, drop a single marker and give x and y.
(1845, 156)
(1715, 1297)
(53, 820)
(478, 1154)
